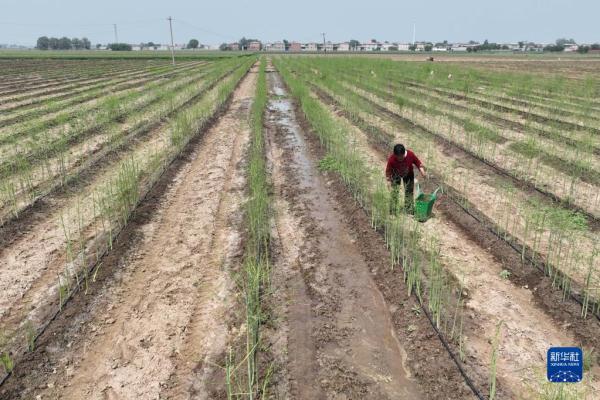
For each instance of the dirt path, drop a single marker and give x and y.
(158, 326)
(335, 324)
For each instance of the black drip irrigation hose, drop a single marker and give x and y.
(446, 345)
(519, 251)
(78, 285)
(468, 380)
(94, 160)
(591, 217)
(537, 265)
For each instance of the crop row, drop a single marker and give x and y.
(43, 105)
(252, 380)
(561, 236)
(570, 181)
(34, 176)
(35, 72)
(92, 225)
(413, 247)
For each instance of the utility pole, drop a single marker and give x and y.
(324, 48)
(414, 33)
(172, 45)
(116, 34)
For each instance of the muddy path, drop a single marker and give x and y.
(156, 322)
(341, 319)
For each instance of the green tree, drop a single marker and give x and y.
(223, 47)
(76, 44)
(53, 43)
(64, 43)
(86, 43)
(354, 44)
(412, 47)
(43, 43)
(583, 49)
(119, 47)
(428, 47)
(286, 45)
(193, 44)
(563, 41)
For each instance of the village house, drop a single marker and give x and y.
(295, 46)
(344, 46)
(233, 46)
(371, 46)
(254, 46)
(329, 47)
(311, 47)
(277, 46)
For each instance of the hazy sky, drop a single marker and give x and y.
(217, 21)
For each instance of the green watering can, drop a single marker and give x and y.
(424, 204)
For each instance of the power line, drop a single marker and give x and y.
(206, 30)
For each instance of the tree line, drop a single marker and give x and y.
(64, 43)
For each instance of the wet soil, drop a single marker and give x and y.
(344, 326)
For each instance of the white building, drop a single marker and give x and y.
(311, 47)
(277, 46)
(371, 46)
(403, 46)
(458, 48)
(344, 46)
(570, 48)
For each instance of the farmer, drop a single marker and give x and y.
(400, 169)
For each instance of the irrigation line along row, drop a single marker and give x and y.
(491, 116)
(165, 167)
(489, 225)
(593, 219)
(91, 162)
(467, 379)
(20, 95)
(504, 108)
(110, 88)
(128, 100)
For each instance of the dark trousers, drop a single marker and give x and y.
(409, 186)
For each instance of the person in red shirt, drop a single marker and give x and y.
(399, 169)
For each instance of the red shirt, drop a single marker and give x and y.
(401, 168)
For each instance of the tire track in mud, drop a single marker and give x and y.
(165, 309)
(334, 336)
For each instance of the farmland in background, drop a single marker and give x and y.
(221, 227)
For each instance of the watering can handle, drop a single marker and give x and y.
(434, 194)
(418, 190)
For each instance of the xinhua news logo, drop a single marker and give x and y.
(565, 364)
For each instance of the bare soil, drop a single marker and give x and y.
(156, 322)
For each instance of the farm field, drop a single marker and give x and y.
(221, 228)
